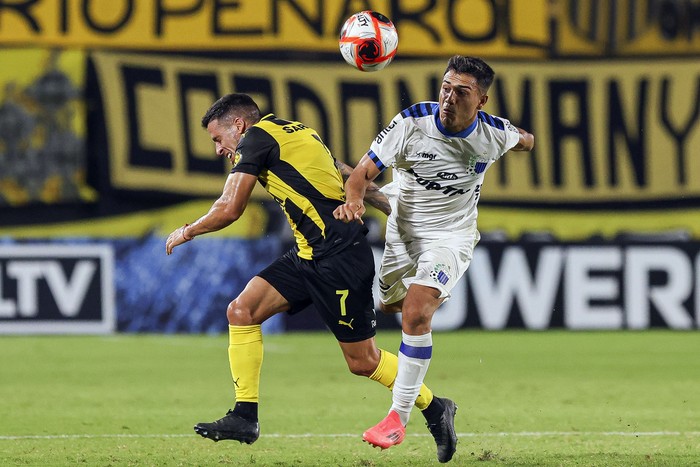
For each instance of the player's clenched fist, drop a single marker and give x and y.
(350, 211)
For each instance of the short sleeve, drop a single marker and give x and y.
(254, 151)
(511, 133)
(388, 144)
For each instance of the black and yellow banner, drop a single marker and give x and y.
(42, 127)
(606, 133)
(498, 28)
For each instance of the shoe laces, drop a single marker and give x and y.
(223, 419)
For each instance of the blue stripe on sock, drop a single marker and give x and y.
(416, 352)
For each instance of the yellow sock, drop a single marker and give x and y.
(386, 374)
(245, 356)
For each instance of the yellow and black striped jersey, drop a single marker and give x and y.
(294, 165)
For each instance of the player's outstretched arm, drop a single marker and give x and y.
(526, 142)
(355, 191)
(373, 196)
(225, 211)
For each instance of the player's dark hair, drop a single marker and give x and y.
(230, 106)
(474, 66)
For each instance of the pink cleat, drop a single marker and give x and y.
(387, 433)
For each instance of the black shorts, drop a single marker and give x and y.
(339, 287)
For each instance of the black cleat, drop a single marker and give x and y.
(231, 426)
(444, 431)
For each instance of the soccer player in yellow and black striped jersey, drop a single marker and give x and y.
(331, 266)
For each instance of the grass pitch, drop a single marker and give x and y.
(525, 398)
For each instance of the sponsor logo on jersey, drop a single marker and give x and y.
(236, 158)
(433, 185)
(447, 176)
(427, 155)
(382, 134)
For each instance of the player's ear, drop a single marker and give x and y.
(240, 124)
(482, 101)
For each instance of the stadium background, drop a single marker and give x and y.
(102, 155)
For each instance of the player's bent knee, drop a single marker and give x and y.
(415, 323)
(238, 314)
(363, 363)
(362, 368)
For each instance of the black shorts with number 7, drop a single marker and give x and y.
(339, 287)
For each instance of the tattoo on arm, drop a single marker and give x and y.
(373, 196)
(377, 199)
(345, 170)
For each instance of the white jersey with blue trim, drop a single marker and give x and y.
(437, 175)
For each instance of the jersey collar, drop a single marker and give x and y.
(460, 134)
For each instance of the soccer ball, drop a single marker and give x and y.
(368, 41)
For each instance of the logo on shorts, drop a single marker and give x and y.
(383, 286)
(345, 323)
(440, 274)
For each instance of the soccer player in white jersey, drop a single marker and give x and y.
(440, 152)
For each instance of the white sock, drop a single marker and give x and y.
(414, 360)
